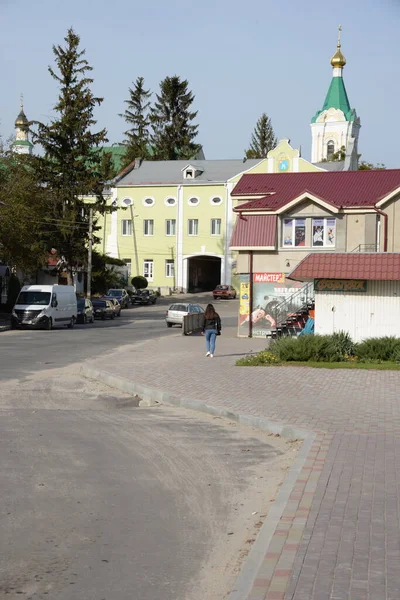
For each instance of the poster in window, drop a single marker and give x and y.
(288, 232)
(330, 232)
(300, 232)
(318, 232)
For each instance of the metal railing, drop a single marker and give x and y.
(366, 248)
(192, 323)
(291, 306)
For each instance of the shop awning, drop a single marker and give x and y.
(254, 232)
(377, 266)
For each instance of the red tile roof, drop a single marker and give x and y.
(255, 230)
(340, 188)
(351, 265)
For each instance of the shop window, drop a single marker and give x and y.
(323, 233)
(294, 233)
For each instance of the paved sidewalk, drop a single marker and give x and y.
(338, 537)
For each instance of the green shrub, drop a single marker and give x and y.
(256, 360)
(139, 282)
(319, 348)
(384, 348)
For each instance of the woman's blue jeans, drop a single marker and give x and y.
(211, 334)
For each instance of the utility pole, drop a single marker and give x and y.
(89, 269)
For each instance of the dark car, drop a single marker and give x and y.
(224, 291)
(103, 309)
(116, 305)
(85, 311)
(145, 297)
(121, 295)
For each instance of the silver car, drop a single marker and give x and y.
(176, 312)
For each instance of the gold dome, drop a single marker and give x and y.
(21, 119)
(338, 60)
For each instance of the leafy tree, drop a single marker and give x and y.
(70, 167)
(172, 120)
(137, 116)
(24, 215)
(263, 138)
(104, 274)
(139, 282)
(366, 166)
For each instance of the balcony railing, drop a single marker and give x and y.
(366, 248)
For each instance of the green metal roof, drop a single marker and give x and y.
(22, 143)
(337, 98)
(117, 155)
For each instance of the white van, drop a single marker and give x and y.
(45, 307)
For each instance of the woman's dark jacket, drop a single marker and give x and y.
(214, 323)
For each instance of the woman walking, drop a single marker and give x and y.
(211, 328)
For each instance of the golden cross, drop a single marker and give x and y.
(22, 101)
(338, 38)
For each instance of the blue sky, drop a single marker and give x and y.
(241, 59)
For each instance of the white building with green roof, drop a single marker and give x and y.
(335, 128)
(22, 144)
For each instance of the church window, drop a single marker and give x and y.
(330, 150)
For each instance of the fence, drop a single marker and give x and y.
(192, 323)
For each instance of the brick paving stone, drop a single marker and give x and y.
(338, 538)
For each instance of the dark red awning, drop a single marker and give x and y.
(254, 232)
(377, 266)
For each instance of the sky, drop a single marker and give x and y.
(241, 59)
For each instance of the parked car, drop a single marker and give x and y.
(121, 295)
(116, 305)
(145, 297)
(176, 312)
(85, 311)
(103, 309)
(224, 291)
(45, 307)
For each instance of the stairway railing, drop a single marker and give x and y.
(299, 300)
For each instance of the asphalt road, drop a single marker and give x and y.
(24, 352)
(103, 500)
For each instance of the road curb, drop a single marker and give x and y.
(253, 562)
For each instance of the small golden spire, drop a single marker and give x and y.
(22, 101)
(338, 60)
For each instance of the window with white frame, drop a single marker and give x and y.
(148, 271)
(170, 201)
(148, 227)
(215, 226)
(126, 226)
(148, 201)
(294, 233)
(216, 200)
(193, 227)
(194, 201)
(323, 233)
(128, 264)
(170, 227)
(169, 268)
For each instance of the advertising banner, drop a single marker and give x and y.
(269, 289)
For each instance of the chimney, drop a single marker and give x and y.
(138, 162)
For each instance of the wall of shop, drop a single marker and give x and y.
(363, 314)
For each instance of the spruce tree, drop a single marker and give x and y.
(262, 139)
(71, 165)
(172, 120)
(137, 117)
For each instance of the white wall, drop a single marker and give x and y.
(374, 313)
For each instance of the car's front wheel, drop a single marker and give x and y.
(169, 324)
(71, 324)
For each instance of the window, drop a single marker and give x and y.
(170, 227)
(215, 226)
(170, 201)
(126, 226)
(128, 263)
(148, 201)
(216, 200)
(189, 174)
(323, 232)
(169, 268)
(193, 227)
(330, 150)
(148, 226)
(294, 233)
(148, 269)
(193, 201)
(127, 201)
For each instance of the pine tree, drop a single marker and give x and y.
(172, 121)
(137, 116)
(262, 139)
(71, 166)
